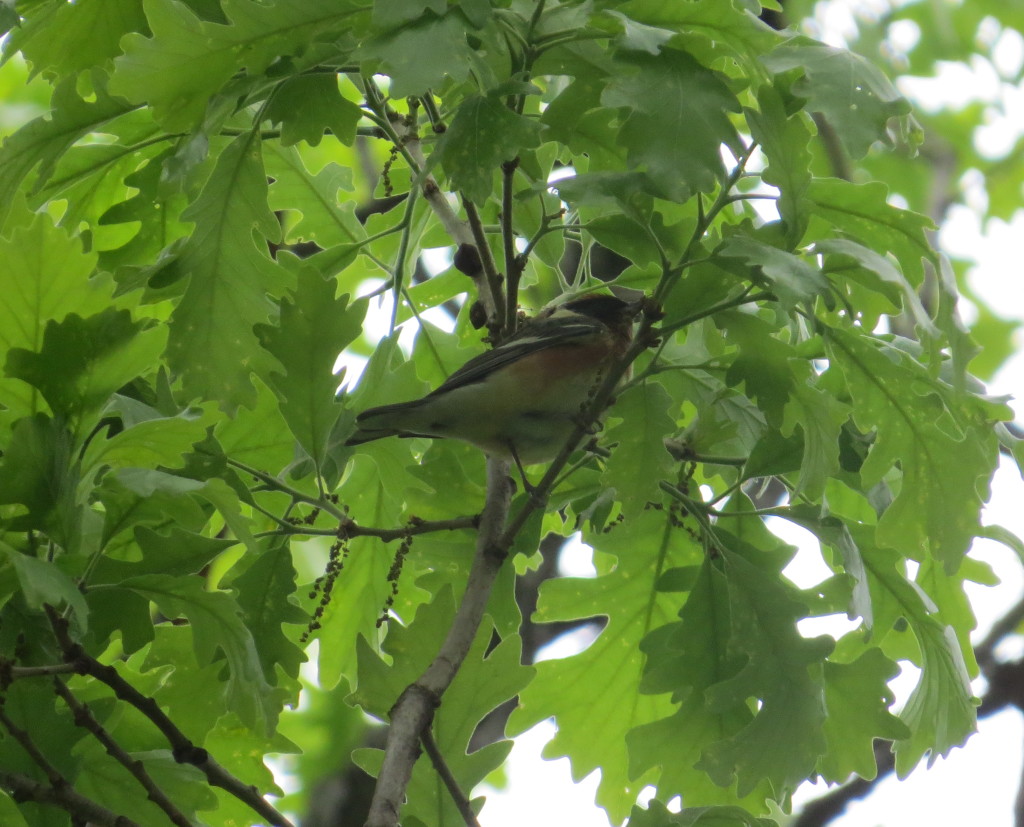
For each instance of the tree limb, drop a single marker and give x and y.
(84, 718)
(413, 712)
(182, 748)
(23, 788)
(442, 769)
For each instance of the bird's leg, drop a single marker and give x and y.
(528, 487)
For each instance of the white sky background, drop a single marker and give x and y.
(976, 784)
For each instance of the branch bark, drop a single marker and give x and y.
(23, 788)
(84, 718)
(441, 768)
(182, 748)
(413, 712)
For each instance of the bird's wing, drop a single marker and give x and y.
(533, 337)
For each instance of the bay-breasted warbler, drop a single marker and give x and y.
(521, 400)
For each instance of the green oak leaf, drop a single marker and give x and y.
(41, 142)
(266, 595)
(940, 712)
(83, 361)
(43, 583)
(862, 212)
(852, 93)
(211, 337)
(820, 417)
(420, 54)
(72, 37)
(312, 329)
(176, 552)
(217, 627)
(157, 207)
(783, 670)
(258, 437)
(38, 473)
(315, 197)
(876, 272)
(307, 106)
(784, 139)
(677, 120)
(944, 452)
(155, 442)
(858, 700)
(658, 815)
(687, 657)
(387, 13)
(187, 60)
(143, 496)
(46, 276)
(482, 134)
(640, 462)
(792, 279)
(601, 683)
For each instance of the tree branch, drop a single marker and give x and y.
(349, 529)
(23, 788)
(57, 781)
(182, 748)
(513, 265)
(441, 767)
(413, 712)
(492, 278)
(84, 718)
(9, 672)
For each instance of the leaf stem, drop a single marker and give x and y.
(277, 485)
(398, 274)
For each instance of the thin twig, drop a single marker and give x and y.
(57, 781)
(84, 718)
(277, 485)
(23, 788)
(984, 652)
(441, 767)
(351, 529)
(182, 748)
(513, 265)
(10, 673)
(492, 278)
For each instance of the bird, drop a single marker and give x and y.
(522, 400)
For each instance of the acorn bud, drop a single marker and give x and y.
(467, 260)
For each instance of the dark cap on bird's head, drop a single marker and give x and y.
(605, 308)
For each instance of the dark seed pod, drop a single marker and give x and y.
(477, 315)
(467, 260)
